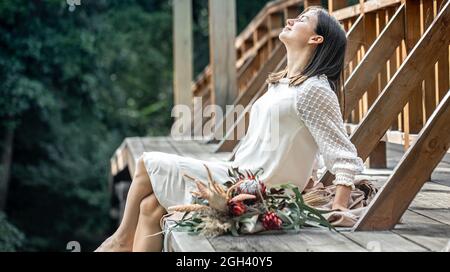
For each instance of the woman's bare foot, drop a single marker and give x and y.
(114, 245)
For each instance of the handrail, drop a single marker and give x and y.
(259, 21)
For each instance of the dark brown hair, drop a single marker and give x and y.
(328, 58)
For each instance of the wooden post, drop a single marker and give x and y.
(355, 39)
(415, 118)
(393, 66)
(443, 66)
(6, 147)
(309, 3)
(182, 44)
(334, 5)
(429, 84)
(377, 158)
(222, 28)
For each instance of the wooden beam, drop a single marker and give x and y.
(377, 157)
(134, 149)
(429, 84)
(395, 95)
(309, 3)
(394, 64)
(259, 19)
(382, 21)
(443, 65)
(413, 171)
(245, 98)
(222, 23)
(443, 73)
(354, 35)
(377, 55)
(182, 44)
(369, 6)
(391, 35)
(230, 140)
(355, 38)
(412, 33)
(6, 163)
(334, 5)
(203, 81)
(391, 136)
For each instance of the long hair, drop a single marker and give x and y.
(328, 58)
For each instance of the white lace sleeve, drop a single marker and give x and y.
(318, 107)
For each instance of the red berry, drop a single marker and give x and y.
(271, 221)
(237, 208)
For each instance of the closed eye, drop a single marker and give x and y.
(300, 18)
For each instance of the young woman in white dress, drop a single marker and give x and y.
(298, 118)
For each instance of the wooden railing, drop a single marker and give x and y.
(378, 37)
(254, 45)
(399, 79)
(396, 87)
(396, 81)
(386, 57)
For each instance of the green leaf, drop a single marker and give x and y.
(323, 221)
(233, 230)
(284, 217)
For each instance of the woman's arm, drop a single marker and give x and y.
(318, 107)
(342, 197)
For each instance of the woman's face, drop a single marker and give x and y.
(300, 32)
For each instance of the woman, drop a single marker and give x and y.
(298, 117)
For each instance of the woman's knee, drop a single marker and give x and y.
(140, 172)
(151, 207)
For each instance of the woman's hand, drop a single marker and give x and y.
(342, 197)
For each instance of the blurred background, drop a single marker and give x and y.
(75, 80)
(73, 83)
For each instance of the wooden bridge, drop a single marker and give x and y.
(397, 115)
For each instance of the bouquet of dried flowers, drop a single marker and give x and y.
(244, 204)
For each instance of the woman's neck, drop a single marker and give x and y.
(297, 61)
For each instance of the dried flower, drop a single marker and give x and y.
(252, 186)
(187, 208)
(245, 205)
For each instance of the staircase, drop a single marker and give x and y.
(396, 93)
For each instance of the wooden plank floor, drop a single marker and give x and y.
(424, 227)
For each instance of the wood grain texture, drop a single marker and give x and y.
(412, 172)
(396, 93)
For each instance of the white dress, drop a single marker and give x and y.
(289, 128)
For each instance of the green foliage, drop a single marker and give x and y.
(245, 11)
(284, 200)
(73, 84)
(11, 239)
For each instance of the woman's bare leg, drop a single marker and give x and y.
(122, 239)
(150, 215)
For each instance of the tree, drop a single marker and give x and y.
(73, 85)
